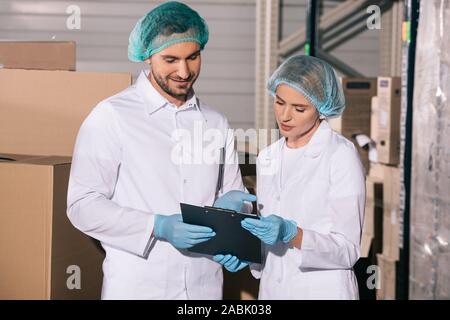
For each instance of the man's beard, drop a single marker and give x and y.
(163, 83)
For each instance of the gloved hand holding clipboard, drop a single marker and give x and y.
(230, 237)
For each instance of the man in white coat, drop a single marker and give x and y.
(136, 159)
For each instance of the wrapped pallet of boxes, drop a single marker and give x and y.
(429, 250)
(41, 111)
(38, 55)
(356, 117)
(42, 256)
(386, 129)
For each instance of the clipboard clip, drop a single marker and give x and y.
(232, 212)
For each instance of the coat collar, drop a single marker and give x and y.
(315, 146)
(154, 101)
(319, 141)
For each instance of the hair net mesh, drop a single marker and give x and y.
(169, 23)
(313, 78)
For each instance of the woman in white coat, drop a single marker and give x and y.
(311, 191)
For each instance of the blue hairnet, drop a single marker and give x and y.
(313, 78)
(169, 23)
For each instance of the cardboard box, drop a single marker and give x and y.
(41, 55)
(41, 253)
(372, 235)
(356, 117)
(368, 233)
(376, 171)
(374, 117)
(368, 228)
(387, 132)
(387, 277)
(42, 111)
(391, 209)
(373, 155)
(389, 176)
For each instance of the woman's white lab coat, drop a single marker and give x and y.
(325, 195)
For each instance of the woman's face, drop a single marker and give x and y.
(296, 117)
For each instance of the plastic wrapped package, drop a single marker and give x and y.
(430, 189)
(443, 277)
(421, 233)
(426, 206)
(421, 284)
(443, 236)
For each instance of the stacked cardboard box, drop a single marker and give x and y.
(374, 110)
(385, 129)
(386, 277)
(42, 256)
(389, 177)
(388, 252)
(41, 111)
(384, 170)
(38, 55)
(371, 239)
(356, 117)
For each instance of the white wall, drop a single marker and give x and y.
(227, 76)
(228, 71)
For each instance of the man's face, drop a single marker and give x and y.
(176, 68)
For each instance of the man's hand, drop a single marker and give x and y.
(234, 200)
(181, 235)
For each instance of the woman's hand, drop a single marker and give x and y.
(271, 229)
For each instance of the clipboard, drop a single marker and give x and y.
(230, 237)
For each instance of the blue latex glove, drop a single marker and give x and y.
(181, 235)
(271, 229)
(234, 200)
(231, 263)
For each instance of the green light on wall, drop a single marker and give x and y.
(307, 49)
